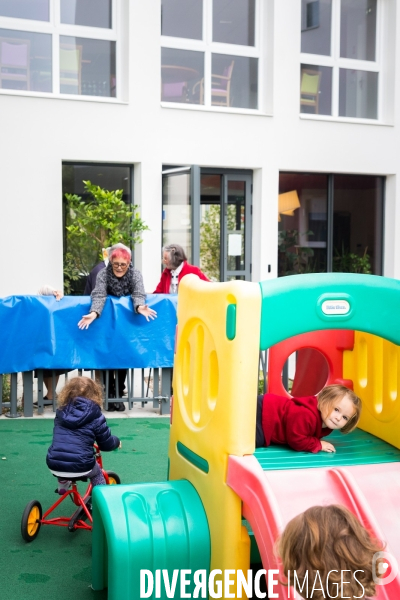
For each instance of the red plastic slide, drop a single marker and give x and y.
(271, 498)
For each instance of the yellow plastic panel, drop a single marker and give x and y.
(374, 367)
(214, 412)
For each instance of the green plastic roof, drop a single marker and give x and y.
(296, 304)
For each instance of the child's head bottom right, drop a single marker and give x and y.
(329, 546)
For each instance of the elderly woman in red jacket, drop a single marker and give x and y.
(176, 267)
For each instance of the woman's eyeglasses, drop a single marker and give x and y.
(119, 265)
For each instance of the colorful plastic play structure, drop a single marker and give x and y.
(224, 503)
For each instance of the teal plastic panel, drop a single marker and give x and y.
(231, 321)
(296, 304)
(355, 448)
(193, 458)
(146, 526)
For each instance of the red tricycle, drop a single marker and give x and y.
(32, 518)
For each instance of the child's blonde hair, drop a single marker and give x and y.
(328, 539)
(83, 387)
(331, 395)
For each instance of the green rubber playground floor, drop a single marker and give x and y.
(57, 565)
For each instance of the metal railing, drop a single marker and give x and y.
(152, 386)
(263, 372)
(139, 380)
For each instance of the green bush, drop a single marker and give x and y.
(6, 388)
(261, 384)
(294, 259)
(349, 262)
(91, 225)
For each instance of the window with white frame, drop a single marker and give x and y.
(210, 52)
(340, 70)
(58, 46)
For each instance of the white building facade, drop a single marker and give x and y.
(204, 112)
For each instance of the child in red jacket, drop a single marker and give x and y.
(301, 422)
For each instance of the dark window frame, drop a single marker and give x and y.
(330, 213)
(100, 165)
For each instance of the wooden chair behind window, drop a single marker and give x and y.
(14, 63)
(309, 88)
(70, 69)
(220, 87)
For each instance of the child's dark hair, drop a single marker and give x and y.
(331, 394)
(83, 387)
(328, 540)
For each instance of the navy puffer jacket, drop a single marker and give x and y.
(77, 426)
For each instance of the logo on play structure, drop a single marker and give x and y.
(384, 568)
(335, 307)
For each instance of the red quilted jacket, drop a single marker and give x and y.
(165, 281)
(296, 422)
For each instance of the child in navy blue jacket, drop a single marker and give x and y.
(79, 424)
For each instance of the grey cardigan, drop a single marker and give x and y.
(100, 292)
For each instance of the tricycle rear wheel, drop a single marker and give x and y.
(31, 521)
(113, 478)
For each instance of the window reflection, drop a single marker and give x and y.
(182, 76)
(316, 19)
(356, 243)
(91, 13)
(302, 225)
(177, 224)
(182, 18)
(37, 10)
(87, 67)
(234, 81)
(358, 29)
(25, 61)
(210, 226)
(235, 225)
(234, 22)
(357, 224)
(358, 94)
(316, 90)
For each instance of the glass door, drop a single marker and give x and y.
(208, 213)
(225, 225)
(210, 225)
(236, 236)
(177, 208)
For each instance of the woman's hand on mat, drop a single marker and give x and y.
(147, 312)
(86, 320)
(327, 447)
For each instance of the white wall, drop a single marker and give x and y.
(37, 134)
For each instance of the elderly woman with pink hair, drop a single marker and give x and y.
(119, 279)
